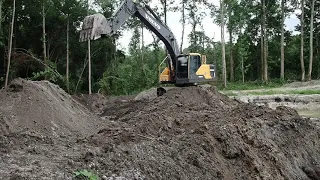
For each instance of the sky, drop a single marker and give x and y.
(211, 30)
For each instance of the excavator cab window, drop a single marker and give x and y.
(195, 63)
(182, 67)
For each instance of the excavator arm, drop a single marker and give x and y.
(95, 26)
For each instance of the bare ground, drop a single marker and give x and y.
(189, 133)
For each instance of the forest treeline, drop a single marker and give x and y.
(45, 43)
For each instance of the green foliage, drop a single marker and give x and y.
(115, 73)
(132, 74)
(50, 73)
(86, 175)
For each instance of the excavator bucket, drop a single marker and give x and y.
(93, 27)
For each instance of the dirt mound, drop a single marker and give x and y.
(188, 133)
(198, 133)
(44, 108)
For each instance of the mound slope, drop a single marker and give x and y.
(43, 107)
(198, 133)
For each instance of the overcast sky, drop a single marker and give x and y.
(211, 30)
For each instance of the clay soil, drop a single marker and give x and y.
(188, 133)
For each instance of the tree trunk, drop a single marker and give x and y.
(215, 60)
(2, 59)
(10, 44)
(89, 56)
(303, 71)
(311, 41)
(317, 57)
(89, 66)
(224, 73)
(194, 22)
(44, 33)
(165, 12)
(282, 40)
(262, 54)
(242, 67)
(67, 70)
(142, 50)
(1, 1)
(265, 60)
(183, 24)
(231, 56)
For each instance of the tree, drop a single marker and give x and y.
(224, 71)
(282, 40)
(89, 57)
(232, 23)
(44, 32)
(2, 61)
(68, 54)
(10, 43)
(264, 41)
(311, 40)
(183, 21)
(302, 42)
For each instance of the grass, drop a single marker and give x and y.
(250, 85)
(86, 175)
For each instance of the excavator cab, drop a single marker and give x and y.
(190, 69)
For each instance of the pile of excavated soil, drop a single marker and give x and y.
(188, 133)
(44, 108)
(198, 133)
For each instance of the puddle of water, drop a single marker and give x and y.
(309, 113)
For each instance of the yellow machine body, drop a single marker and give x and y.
(195, 70)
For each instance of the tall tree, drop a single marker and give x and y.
(10, 43)
(311, 40)
(303, 71)
(224, 71)
(231, 8)
(2, 61)
(1, 42)
(282, 39)
(183, 21)
(44, 31)
(265, 41)
(89, 55)
(68, 54)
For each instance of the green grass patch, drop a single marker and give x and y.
(86, 175)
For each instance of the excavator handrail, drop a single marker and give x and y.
(159, 67)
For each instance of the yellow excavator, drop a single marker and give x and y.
(181, 69)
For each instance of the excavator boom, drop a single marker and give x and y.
(95, 26)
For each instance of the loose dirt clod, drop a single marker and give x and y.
(188, 133)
